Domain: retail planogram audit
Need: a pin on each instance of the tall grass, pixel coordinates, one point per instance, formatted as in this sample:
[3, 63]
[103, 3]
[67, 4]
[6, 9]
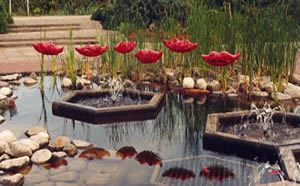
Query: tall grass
[70, 57]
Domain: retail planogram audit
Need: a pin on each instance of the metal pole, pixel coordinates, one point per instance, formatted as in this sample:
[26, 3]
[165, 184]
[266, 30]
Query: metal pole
[27, 7]
[9, 7]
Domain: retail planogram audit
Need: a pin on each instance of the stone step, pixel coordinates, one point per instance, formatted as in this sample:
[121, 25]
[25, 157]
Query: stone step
[42, 29]
[48, 39]
[43, 25]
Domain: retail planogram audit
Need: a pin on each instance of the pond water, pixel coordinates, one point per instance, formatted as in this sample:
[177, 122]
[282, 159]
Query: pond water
[175, 136]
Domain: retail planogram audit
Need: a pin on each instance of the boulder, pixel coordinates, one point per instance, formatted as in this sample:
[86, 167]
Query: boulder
[35, 130]
[29, 143]
[66, 83]
[2, 97]
[188, 82]
[41, 156]
[81, 144]
[13, 180]
[59, 143]
[7, 136]
[11, 77]
[6, 91]
[293, 91]
[70, 149]
[60, 154]
[202, 84]
[3, 84]
[4, 147]
[29, 81]
[4, 157]
[214, 85]
[41, 138]
[15, 163]
[19, 149]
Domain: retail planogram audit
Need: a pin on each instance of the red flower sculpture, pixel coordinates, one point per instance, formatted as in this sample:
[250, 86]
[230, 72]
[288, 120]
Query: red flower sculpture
[181, 46]
[148, 56]
[220, 59]
[92, 50]
[125, 47]
[47, 48]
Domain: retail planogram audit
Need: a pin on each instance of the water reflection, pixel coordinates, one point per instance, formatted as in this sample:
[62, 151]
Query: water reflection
[148, 157]
[127, 151]
[216, 173]
[94, 153]
[179, 173]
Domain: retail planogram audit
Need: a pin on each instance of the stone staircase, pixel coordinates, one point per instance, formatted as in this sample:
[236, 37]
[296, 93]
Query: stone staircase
[27, 30]
[16, 51]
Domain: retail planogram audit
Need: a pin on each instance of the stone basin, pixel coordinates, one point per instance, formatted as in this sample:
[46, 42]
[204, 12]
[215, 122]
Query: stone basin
[248, 146]
[290, 156]
[70, 109]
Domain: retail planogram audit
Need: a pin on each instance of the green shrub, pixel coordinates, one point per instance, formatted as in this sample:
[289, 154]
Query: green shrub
[139, 12]
[5, 18]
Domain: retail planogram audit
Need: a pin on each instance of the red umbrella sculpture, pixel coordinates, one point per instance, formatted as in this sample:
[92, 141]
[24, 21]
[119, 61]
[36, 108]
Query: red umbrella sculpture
[91, 51]
[220, 59]
[125, 48]
[180, 46]
[47, 49]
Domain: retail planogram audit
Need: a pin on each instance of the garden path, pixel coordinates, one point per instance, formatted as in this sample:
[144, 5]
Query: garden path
[16, 52]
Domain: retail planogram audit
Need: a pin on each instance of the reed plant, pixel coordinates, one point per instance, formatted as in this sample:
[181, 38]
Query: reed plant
[71, 69]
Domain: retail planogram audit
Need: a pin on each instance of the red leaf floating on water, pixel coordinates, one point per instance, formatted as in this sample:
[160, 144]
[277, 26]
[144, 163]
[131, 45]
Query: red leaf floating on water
[149, 158]
[217, 173]
[125, 47]
[148, 56]
[125, 152]
[220, 59]
[179, 173]
[92, 50]
[94, 153]
[47, 48]
[181, 46]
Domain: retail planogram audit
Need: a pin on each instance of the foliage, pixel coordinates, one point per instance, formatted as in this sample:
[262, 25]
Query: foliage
[5, 18]
[140, 12]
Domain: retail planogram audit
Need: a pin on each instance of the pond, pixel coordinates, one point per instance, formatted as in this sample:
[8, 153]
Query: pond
[175, 136]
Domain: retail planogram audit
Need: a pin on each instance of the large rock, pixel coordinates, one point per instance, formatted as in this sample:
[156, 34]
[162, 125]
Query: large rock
[293, 91]
[70, 149]
[14, 180]
[66, 83]
[41, 156]
[2, 97]
[29, 143]
[66, 176]
[2, 119]
[6, 91]
[33, 75]
[3, 84]
[35, 130]
[60, 154]
[4, 147]
[188, 82]
[267, 84]
[259, 94]
[296, 79]
[29, 81]
[41, 138]
[7, 136]
[214, 85]
[59, 143]
[19, 149]
[281, 96]
[10, 77]
[202, 84]
[4, 157]
[81, 144]
[15, 163]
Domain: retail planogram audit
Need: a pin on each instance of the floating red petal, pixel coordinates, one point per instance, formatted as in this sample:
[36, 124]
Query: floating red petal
[220, 59]
[125, 47]
[47, 48]
[148, 56]
[92, 50]
[181, 46]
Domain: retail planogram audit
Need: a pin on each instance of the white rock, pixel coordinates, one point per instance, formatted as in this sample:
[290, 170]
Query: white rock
[2, 97]
[7, 136]
[6, 91]
[29, 81]
[33, 76]
[259, 94]
[4, 157]
[60, 154]
[296, 79]
[282, 97]
[293, 91]
[70, 149]
[66, 83]
[66, 176]
[214, 85]
[35, 130]
[202, 84]
[3, 84]
[14, 180]
[10, 77]
[59, 143]
[188, 82]
[4, 147]
[41, 156]
[40, 138]
[29, 143]
[2, 119]
[19, 149]
[15, 163]
[81, 144]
